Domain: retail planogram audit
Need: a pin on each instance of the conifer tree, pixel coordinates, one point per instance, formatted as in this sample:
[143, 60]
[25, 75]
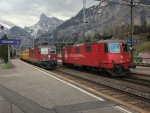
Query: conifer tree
[4, 50]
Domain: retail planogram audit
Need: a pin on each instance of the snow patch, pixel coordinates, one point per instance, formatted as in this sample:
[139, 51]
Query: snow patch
[103, 4]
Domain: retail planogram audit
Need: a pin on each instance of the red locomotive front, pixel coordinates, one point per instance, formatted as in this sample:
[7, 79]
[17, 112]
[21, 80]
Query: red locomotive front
[44, 56]
[116, 58]
[110, 55]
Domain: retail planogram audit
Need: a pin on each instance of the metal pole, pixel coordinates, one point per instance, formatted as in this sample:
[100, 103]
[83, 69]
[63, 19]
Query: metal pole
[84, 3]
[26, 43]
[84, 21]
[52, 38]
[8, 55]
[33, 41]
[132, 30]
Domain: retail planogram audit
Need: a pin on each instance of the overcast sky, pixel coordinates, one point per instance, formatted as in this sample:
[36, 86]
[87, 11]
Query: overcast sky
[27, 12]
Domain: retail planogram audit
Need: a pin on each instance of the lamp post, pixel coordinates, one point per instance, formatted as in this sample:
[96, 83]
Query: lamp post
[131, 30]
[84, 3]
[33, 41]
[8, 55]
[84, 19]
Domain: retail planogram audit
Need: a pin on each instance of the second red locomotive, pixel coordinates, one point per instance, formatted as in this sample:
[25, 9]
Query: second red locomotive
[43, 56]
[112, 56]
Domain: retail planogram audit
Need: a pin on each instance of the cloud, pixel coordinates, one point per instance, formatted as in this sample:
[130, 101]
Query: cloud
[27, 12]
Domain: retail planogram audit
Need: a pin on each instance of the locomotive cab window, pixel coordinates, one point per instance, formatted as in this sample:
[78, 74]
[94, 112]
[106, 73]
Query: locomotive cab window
[77, 50]
[106, 48]
[88, 48]
[125, 47]
[52, 51]
[38, 51]
[44, 50]
[114, 48]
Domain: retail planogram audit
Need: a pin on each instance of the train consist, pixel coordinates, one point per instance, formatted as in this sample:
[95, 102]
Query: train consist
[112, 56]
[43, 56]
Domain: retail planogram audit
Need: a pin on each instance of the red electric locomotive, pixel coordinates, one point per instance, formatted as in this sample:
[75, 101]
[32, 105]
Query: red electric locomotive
[112, 56]
[44, 56]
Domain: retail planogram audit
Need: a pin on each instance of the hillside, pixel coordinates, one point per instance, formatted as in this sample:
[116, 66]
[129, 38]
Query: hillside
[106, 18]
[143, 47]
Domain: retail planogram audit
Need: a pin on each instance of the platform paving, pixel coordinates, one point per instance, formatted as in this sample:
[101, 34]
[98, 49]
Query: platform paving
[26, 89]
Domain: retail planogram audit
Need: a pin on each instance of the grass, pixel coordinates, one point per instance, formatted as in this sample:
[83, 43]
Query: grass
[143, 47]
[6, 66]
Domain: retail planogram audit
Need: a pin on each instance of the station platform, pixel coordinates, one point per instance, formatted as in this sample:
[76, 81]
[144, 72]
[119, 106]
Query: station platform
[26, 89]
[141, 70]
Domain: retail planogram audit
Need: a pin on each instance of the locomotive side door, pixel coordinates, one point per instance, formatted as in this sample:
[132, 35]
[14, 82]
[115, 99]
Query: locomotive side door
[65, 55]
[100, 54]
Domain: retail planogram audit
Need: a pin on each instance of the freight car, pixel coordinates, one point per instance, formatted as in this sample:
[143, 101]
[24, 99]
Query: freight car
[112, 56]
[24, 55]
[43, 56]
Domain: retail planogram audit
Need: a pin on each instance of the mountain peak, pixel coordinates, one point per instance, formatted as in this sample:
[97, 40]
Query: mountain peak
[43, 16]
[44, 25]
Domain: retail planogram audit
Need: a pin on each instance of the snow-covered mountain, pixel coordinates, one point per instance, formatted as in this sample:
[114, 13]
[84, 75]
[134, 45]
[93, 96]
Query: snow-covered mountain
[44, 25]
[6, 24]
[17, 32]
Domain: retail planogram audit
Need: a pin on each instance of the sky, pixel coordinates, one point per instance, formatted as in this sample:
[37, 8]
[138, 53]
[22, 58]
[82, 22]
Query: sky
[27, 12]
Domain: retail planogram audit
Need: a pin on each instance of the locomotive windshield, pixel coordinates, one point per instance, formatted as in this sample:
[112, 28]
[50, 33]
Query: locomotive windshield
[114, 48]
[48, 50]
[125, 47]
[52, 50]
[44, 50]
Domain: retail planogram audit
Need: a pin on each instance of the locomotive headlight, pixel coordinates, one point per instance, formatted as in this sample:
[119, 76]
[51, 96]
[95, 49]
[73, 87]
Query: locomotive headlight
[121, 57]
[49, 56]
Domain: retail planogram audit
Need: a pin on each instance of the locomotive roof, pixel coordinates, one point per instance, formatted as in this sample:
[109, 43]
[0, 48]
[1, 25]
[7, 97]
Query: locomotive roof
[101, 41]
[25, 50]
[107, 41]
[45, 46]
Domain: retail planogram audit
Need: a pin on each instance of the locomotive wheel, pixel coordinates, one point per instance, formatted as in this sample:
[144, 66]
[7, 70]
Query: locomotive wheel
[64, 64]
[119, 72]
[84, 67]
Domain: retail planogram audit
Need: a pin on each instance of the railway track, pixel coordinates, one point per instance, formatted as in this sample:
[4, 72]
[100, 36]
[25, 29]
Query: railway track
[145, 83]
[140, 76]
[133, 92]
